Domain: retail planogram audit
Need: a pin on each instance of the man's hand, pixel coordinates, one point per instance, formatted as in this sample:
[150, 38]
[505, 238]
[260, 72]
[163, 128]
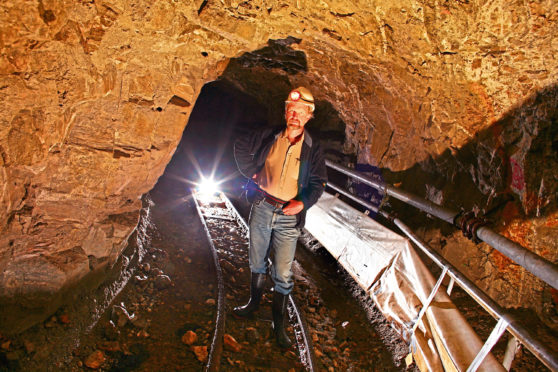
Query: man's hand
[293, 207]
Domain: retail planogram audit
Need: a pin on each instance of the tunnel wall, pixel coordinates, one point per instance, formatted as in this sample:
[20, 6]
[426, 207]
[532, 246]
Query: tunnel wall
[96, 96]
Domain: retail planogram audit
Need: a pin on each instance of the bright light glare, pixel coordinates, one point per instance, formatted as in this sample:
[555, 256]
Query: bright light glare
[208, 187]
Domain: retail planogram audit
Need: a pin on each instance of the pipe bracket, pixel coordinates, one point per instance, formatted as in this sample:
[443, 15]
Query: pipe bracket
[469, 223]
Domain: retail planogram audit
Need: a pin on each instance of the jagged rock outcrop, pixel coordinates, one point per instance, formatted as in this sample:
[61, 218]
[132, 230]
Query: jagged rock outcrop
[96, 95]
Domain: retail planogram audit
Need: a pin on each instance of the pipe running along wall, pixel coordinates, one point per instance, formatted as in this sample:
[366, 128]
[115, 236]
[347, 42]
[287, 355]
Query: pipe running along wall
[539, 349]
[537, 265]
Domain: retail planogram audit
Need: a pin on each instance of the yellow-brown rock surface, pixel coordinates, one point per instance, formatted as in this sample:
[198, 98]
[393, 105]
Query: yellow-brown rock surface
[96, 94]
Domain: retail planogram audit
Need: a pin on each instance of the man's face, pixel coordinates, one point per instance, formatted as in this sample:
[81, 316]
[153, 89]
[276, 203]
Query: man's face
[297, 115]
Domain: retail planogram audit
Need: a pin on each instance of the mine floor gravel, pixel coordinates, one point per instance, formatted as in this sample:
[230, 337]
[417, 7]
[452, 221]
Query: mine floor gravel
[163, 318]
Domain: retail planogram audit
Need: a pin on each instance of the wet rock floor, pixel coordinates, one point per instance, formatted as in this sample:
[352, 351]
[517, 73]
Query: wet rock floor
[164, 318]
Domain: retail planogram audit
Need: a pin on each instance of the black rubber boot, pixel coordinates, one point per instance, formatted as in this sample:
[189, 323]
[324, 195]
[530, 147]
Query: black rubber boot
[256, 290]
[279, 308]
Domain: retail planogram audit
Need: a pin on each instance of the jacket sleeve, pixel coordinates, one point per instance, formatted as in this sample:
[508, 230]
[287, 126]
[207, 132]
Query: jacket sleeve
[317, 178]
[245, 154]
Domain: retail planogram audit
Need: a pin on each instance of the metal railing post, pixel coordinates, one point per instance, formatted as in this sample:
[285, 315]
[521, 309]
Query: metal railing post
[426, 305]
[537, 265]
[539, 349]
[495, 335]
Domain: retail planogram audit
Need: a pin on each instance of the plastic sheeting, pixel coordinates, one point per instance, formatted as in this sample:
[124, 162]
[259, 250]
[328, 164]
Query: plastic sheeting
[388, 268]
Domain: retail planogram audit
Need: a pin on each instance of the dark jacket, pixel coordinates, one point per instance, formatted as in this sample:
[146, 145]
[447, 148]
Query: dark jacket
[250, 153]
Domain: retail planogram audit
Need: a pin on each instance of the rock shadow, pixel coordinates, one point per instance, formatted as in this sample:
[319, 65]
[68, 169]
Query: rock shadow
[515, 160]
[278, 54]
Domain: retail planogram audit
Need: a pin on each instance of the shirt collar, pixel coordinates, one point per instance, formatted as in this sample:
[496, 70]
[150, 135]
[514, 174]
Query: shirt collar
[300, 137]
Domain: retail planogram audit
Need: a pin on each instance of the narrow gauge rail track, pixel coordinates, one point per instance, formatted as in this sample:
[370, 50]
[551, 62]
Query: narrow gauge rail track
[227, 233]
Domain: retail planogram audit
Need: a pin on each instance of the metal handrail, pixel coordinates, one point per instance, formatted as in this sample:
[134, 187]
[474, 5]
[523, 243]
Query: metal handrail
[537, 265]
[540, 350]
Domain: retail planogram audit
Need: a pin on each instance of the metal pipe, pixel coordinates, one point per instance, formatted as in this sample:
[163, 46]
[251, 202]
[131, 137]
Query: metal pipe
[352, 197]
[540, 350]
[409, 198]
[537, 265]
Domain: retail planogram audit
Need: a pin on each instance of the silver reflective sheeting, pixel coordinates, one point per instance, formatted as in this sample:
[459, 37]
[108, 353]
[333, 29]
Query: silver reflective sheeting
[386, 266]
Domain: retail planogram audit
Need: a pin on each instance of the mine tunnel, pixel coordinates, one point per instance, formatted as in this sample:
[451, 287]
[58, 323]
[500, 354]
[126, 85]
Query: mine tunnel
[432, 248]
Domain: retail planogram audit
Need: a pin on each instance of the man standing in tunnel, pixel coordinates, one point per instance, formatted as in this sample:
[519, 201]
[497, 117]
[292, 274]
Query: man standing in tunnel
[288, 167]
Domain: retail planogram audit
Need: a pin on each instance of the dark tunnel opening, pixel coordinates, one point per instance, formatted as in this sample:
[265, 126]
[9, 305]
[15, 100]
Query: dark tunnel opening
[221, 114]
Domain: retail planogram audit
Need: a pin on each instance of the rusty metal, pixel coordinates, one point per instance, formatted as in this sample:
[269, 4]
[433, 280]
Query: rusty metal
[541, 351]
[537, 265]
[216, 350]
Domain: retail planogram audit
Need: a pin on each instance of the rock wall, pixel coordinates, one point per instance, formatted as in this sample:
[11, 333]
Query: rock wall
[507, 173]
[96, 95]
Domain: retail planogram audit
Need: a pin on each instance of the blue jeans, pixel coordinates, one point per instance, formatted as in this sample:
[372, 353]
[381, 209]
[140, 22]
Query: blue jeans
[272, 231]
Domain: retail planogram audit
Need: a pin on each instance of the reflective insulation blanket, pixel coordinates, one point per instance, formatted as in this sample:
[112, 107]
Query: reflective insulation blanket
[388, 268]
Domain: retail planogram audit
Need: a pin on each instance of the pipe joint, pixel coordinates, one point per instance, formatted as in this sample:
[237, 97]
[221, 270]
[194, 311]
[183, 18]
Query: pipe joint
[469, 223]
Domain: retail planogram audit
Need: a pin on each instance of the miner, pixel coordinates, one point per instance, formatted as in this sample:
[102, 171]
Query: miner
[287, 168]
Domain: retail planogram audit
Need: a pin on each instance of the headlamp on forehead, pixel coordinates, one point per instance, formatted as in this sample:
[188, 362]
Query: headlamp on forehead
[294, 96]
[301, 95]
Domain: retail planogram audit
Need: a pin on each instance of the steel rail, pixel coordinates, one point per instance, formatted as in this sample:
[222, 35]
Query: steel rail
[523, 334]
[304, 344]
[537, 265]
[306, 348]
[303, 341]
[216, 350]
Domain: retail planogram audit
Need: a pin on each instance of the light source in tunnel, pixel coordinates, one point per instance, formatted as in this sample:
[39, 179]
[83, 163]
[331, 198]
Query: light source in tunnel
[207, 188]
[208, 185]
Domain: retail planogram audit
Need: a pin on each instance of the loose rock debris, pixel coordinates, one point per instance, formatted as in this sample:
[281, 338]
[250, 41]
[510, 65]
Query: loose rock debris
[150, 326]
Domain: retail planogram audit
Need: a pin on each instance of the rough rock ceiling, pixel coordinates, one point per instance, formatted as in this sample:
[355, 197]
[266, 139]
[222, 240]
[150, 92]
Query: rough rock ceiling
[96, 95]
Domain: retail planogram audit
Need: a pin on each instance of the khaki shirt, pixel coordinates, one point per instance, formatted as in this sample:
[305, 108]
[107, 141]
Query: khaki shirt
[279, 176]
